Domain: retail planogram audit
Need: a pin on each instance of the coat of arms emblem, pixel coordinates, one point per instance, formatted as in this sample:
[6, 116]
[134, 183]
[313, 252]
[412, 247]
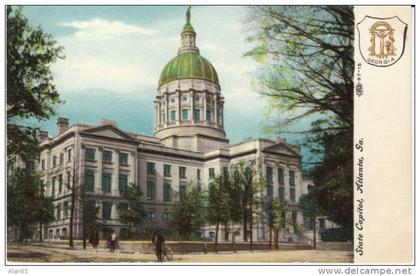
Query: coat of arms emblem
[381, 40]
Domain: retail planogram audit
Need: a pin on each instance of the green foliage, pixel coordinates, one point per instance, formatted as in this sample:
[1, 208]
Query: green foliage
[308, 204]
[336, 235]
[307, 52]
[134, 214]
[30, 89]
[218, 199]
[26, 201]
[189, 211]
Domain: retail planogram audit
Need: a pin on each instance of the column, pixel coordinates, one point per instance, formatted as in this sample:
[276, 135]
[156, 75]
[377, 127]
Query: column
[192, 105]
[205, 107]
[167, 108]
[159, 113]
[286, 184]
[179, 107]
[221, 114]
[116, 169]
[216, 110]
[98, 175]
[133, 168]
[114, 211]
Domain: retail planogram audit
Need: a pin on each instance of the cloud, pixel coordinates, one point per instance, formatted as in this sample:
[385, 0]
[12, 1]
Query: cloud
[105, 28]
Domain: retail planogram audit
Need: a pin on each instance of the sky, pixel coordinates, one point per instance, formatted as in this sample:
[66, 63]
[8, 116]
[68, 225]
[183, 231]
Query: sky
[114, 56]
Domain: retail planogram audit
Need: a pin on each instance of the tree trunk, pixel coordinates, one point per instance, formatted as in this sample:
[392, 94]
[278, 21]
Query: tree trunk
[217, 236]
[84, 217]
[251, 237]
[270, 240]
[129, 230]
[276, 237]
[40, 232]
[226, 232]
[314, 232]
[73, 200]
[245, 237]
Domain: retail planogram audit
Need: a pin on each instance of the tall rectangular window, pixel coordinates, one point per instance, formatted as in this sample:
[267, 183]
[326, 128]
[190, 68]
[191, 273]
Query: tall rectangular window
[107, 156]
[209, 116]
[90, 154]
[198, 174]
[211, 173]
[166, 216]
[60, 183]
[167, 191]
[122, 183]
[270, 191]
[69, 182]
[151, 170]
[173, 115]
[68, 155]
[167, 170]
[281, 193]
[196, 114]
[185, 114]
[43, 164]
[151, 190]
[53, 187]
[269, 175]
[61, 158]
[280, 175]
[58, 211]
[106, 210]
[123, 158]
[182, 189]
[106, 182]
[66, 209]
[151, 215]
[182, 172]
[292, 178]
[54, 161]
[292, 194]
[89, 180]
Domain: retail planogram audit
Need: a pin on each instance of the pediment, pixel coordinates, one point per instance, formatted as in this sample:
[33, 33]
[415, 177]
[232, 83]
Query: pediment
[281, 149]
[108, 132]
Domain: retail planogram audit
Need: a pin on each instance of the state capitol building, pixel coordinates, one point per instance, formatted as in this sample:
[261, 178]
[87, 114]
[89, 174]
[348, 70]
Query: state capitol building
[189, 145]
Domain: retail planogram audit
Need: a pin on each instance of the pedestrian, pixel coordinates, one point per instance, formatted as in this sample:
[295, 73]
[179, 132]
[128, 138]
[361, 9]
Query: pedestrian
[113, 241]
[158, 241]
[94, 238]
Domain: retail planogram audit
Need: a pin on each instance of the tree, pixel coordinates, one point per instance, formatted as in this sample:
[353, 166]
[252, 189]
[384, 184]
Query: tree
[278, 218]
[189, 211]
[235, 203]
[26, 202]
[30, 89]
[307, 54]
[218, 203]
[308, 205]
[133, 213]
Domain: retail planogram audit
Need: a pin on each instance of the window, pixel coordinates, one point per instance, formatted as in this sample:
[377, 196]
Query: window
[58, 211]
[30, 165]
[151, 215]
[292, 194]
[107, 156]
[280, 175]
[43, 164]
[269, 175]
[122, 206]
[185, 99]
[151, 190]
[53, 187]
[123, 158]
[173, 115]
[196, 114]
[198, 174]
[106, 182]
[197, 99]
[90, 154]
[60, 184]
[68, 155]
[270, 191]
[167, 191]
[182, 172]
[209, 116]
[66, 209]
[211, 173]
[61, 158]
[54, 161]
[182, 189]
[225, 171]
[165, 216]
[89, 180]
[151, 168]
[166, 170]
[69, 181]
[122, 183]
[281, 193]
[185, 114]
[106, 209]
[173, 100]
[292, 178]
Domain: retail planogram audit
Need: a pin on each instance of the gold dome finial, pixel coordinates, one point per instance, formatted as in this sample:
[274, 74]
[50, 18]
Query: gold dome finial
[188, 15]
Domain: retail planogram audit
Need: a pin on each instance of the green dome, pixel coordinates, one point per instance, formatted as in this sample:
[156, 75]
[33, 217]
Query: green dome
[188, 65]
[188, 28]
